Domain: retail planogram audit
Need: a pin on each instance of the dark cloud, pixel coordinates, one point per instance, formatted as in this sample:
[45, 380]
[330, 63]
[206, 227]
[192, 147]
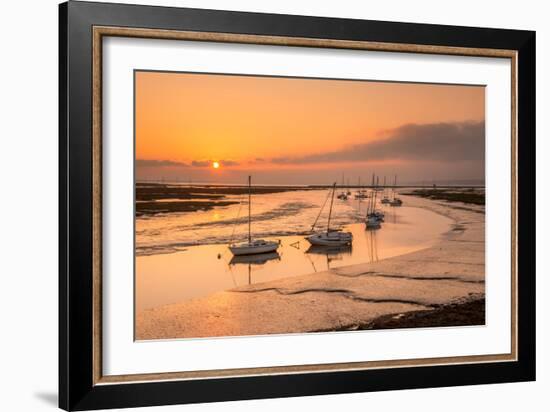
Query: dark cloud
[257, 160]
[447, 142]
[228, 163]
[159, 163]
[201, 163]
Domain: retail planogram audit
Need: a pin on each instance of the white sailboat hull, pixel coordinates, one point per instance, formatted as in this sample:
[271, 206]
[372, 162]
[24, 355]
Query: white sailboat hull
[330, 239]
[254, 248]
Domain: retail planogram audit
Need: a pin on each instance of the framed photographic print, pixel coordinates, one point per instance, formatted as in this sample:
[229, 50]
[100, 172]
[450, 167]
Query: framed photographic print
[256, 205]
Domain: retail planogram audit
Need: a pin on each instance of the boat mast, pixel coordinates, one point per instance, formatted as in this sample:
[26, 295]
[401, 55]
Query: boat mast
[330, 210]
[373, 197]
[394, 184]
[249, 207]
[375, 193]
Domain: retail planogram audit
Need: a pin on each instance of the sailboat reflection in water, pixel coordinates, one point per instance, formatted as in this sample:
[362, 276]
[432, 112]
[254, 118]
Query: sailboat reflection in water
[251, 260]
[332, 253]
[372, 247]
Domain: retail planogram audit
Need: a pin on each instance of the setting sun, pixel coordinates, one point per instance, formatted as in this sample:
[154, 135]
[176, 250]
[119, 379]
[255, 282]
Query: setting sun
[215, 165]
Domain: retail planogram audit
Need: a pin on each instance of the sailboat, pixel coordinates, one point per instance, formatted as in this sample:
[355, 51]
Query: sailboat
[378, 214]
[374, 217]
[343, 195]
[386, 199]
[361, 193]
[256, 246]
[330, 237]
[395, 201]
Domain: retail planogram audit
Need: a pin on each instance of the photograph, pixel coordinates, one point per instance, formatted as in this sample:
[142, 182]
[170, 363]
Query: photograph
[270, 205]
[257, 204]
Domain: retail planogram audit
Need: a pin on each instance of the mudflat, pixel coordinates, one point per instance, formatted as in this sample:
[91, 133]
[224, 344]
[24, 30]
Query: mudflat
[426, 288]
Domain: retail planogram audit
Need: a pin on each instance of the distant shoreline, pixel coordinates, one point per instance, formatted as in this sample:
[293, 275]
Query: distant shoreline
[185, 198]
[467, 195]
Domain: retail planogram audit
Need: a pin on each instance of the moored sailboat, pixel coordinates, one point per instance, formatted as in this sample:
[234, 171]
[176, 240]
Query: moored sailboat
[330, 237]
[395, 200]
[385, 200]
[361, 193]
[344, 194]
[256, 246]
[374, 217]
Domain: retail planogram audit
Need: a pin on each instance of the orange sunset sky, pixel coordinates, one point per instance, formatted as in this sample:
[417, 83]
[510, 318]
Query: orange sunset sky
[305, 131]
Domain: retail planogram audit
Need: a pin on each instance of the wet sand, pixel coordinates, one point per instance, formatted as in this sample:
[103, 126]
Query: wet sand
[438, 281]
[179, 198]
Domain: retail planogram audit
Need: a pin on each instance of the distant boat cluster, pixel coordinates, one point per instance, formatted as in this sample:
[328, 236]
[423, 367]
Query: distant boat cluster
[334, 237]
[374, 217]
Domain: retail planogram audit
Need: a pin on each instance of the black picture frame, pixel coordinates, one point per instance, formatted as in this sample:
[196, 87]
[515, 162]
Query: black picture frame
[77, 390]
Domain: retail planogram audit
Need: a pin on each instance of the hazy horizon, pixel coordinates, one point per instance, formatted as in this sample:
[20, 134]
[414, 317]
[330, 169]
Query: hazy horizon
[364, 183]
[306, 131]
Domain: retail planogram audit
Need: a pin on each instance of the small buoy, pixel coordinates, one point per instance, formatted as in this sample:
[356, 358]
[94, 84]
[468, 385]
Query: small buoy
[219, 255]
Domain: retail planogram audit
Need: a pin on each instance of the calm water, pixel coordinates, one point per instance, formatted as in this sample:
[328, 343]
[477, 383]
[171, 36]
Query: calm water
[184, 256]
[274, 215]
